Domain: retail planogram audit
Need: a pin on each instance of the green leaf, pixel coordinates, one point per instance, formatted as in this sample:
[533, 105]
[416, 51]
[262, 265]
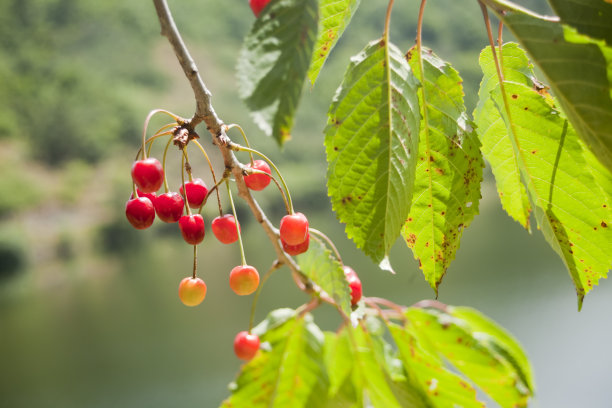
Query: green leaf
[470, 352]
[334, 17]
[498, 339]
[288, 371]
[449, 170]
[274, 61]
[584, 89]
[496, 143]
[325, 271]
[570, 206]
[338, 360]
[371, 142]
[443, 388]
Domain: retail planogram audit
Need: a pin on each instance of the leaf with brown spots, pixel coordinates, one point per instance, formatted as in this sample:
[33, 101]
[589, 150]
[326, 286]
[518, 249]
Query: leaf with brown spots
[567, 186]
[334, 17]
[449, 172]
[374, 123]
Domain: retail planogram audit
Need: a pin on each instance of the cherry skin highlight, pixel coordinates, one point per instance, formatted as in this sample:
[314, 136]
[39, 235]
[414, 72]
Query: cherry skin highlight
[354, 283]
[169, 206]
[192, 291]
[259, 181]
[258, 5]
[148, 175]
[192, 228]
[244, 280]
[224, 228]
[296, 249]
[246, 345]
[294, 228]
[196, 192]
[140, 212]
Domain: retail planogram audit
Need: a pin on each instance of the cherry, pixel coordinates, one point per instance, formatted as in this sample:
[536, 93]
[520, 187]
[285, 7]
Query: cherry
[257, 6]
[150, 196]
[148, 174]
[354, 283]
[296, 249]
[192, 228]
[140, 212]
[192, 291]
[244, 279]
[224, 228]
[294, 229]
[246, 345]
[196, 192]
[169, 207]
[258, 181]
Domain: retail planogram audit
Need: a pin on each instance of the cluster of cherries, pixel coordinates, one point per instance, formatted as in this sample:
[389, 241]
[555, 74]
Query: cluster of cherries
[145, 204]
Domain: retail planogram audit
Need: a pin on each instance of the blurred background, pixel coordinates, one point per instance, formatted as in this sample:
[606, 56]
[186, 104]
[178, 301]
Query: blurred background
[89, 312]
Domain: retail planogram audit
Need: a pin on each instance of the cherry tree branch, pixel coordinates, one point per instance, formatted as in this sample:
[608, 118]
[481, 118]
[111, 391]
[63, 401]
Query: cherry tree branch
[205, 113]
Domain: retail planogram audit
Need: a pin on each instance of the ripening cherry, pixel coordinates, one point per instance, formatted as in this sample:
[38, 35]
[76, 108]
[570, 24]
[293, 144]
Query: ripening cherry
[148, 174]
[296, 249]
[169, 206]
[196, 192]
[244, 280]
[246, 345]
[354, 283]
[258, 5]
[150, 196]
[140, 212]
[224, 228]
[294, 228]
[192, 291]
[258, 181]
[192, 228]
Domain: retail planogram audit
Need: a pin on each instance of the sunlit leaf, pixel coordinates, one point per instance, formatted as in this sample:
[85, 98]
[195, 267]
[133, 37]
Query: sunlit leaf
[288, 371]
[579, 72]
[449, 169]
[443, 388]
[372, 144]
[571, 209]
[274, 61]
[496, 143]
[334, 17]
[323, 269]
[469, 350]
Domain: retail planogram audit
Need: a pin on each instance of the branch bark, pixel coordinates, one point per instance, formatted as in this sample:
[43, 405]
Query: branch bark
[205, 113]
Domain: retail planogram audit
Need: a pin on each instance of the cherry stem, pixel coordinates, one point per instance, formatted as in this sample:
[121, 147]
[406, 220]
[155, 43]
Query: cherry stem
[386, 303]
[246, 140]
[195, 261]
[375, 306]
[231, 200]
[152, 138]
[214, 177]
[307, 307]
[146, 124]
[187, 164]
[271, 163]
[183, 182]
[264, 278]
[164, 165]
[287, 207]
[328, 241]
[433, 304]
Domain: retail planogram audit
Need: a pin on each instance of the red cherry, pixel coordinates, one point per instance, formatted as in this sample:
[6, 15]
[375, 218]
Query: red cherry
[192, 291]
[224, 228]
[354, 283]
[258, 181]
[294, 228]
[192, 228]
[140, 212]
[296, 249]
[169, 207]
[244, 279]
[148, 174]
[246, 345]
[257, 6]
[196, 192]
[150, 196]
